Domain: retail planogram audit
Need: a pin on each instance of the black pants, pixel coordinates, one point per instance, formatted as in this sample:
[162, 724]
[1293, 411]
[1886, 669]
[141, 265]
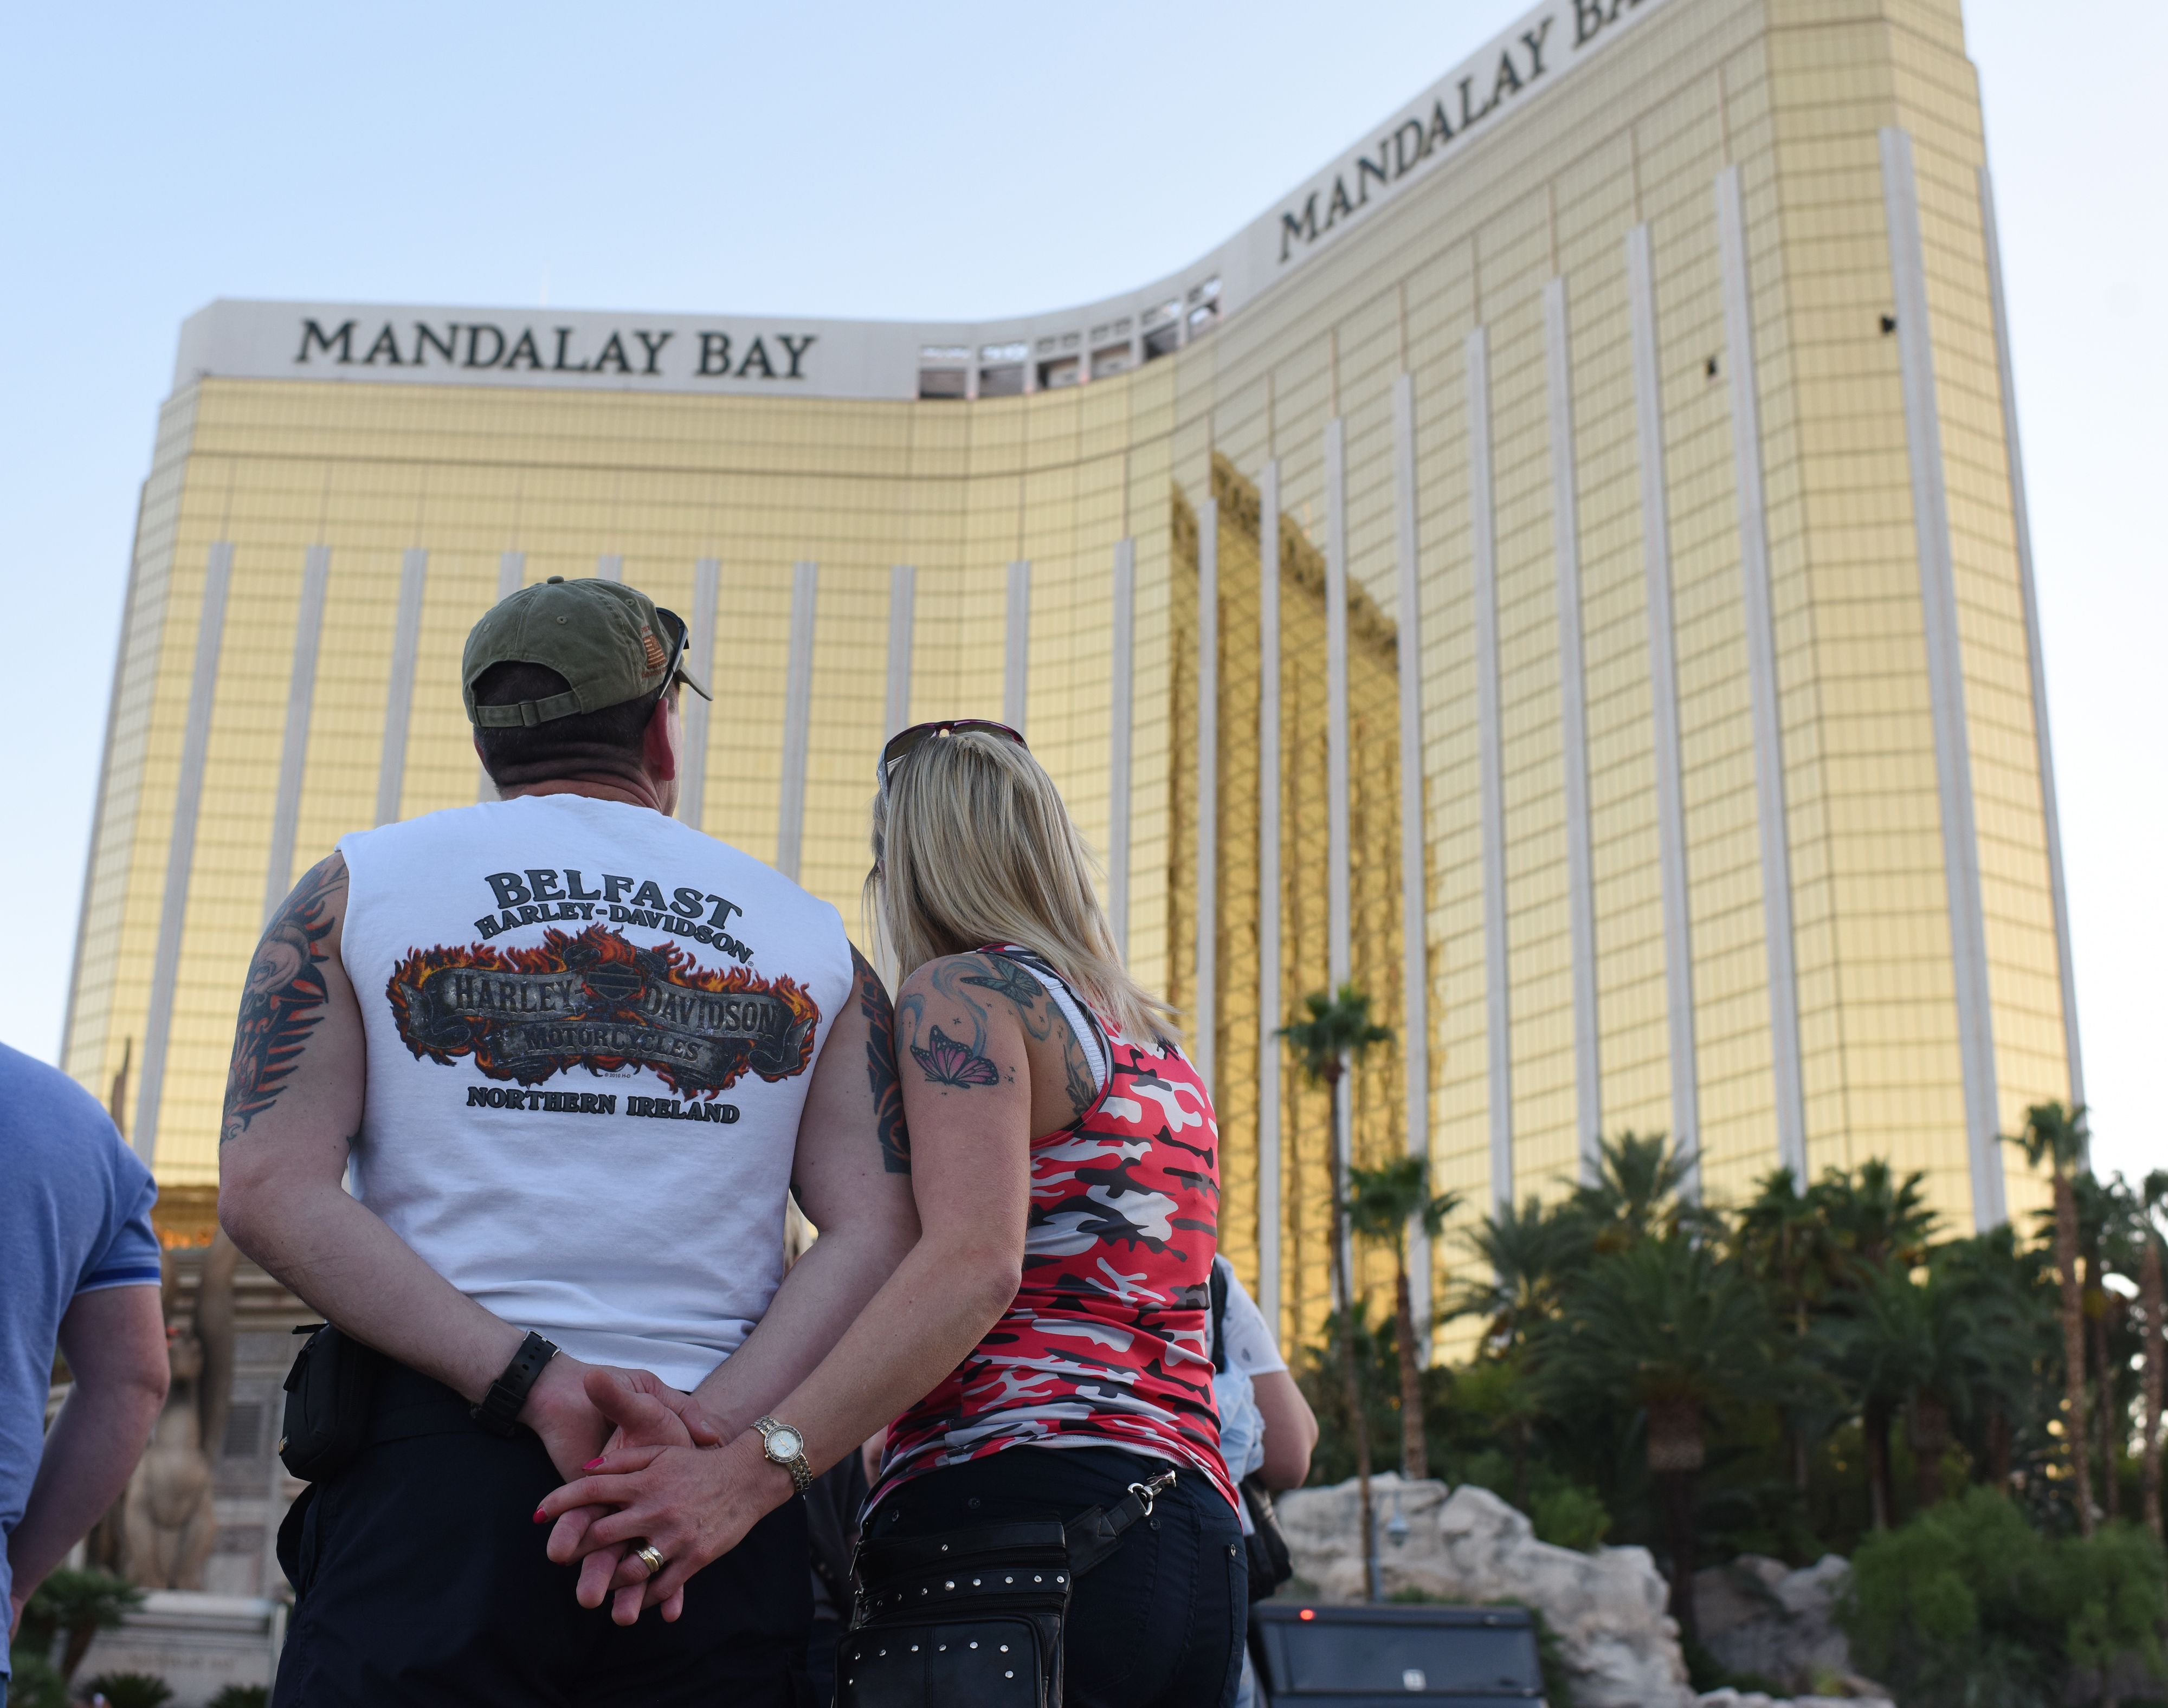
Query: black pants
[1159, 1623]
[421, 1580]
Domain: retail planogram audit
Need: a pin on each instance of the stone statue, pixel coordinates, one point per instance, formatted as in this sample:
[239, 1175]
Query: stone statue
[168, 1518]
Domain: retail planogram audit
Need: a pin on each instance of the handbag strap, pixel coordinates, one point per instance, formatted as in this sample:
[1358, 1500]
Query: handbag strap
[1094, 1534]
[1085, 1540]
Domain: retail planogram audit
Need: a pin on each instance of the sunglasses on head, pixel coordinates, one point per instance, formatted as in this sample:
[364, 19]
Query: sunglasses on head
[905, 742]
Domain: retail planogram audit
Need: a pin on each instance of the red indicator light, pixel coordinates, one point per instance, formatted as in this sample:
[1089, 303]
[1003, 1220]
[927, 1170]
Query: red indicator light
[1307, 1613]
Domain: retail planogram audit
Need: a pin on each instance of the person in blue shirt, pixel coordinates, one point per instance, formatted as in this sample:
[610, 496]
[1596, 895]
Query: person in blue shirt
[78, 1269]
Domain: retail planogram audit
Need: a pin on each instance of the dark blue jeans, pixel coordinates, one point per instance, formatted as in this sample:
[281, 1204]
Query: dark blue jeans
[421, 1581]
[1157, 1624]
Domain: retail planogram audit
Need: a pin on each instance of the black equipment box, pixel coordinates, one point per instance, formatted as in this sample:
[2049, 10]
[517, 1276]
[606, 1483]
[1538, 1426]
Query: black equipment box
[1371, 1656]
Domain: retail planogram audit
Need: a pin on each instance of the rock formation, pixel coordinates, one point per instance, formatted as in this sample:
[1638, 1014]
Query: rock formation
[1606, 1608]
[1760, 1616]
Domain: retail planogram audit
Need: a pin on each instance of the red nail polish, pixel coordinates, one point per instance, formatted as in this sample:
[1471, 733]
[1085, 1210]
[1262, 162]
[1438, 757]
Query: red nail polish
[591, 1464]
[540, 1516]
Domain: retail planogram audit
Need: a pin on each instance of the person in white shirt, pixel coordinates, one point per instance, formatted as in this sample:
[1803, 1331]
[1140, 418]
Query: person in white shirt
[576, 1057]
[1267, 1428]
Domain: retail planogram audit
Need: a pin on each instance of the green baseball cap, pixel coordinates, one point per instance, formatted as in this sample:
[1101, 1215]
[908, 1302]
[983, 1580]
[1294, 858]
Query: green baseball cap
[611, 643]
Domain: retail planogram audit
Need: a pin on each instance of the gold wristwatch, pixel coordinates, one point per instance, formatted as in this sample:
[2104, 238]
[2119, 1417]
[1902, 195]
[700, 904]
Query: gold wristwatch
[784, 1446]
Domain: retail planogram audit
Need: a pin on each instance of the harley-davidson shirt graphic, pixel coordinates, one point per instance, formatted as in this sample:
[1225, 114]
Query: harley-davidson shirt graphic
[590, 1034]
[597, 1001]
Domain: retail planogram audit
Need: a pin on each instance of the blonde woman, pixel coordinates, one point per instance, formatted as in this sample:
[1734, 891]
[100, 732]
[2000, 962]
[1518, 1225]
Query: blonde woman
[1052, 1501]
[1024, 1044]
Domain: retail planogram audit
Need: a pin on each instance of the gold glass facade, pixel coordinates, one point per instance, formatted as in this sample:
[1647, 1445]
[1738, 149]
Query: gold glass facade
[429, 498]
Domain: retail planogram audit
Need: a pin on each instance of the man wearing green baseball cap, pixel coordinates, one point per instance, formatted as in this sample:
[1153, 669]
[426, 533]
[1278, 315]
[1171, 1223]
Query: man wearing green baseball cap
[575, 1056]
[616, 655]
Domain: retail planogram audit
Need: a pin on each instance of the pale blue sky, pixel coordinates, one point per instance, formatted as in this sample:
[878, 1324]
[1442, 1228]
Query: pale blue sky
[944, 159]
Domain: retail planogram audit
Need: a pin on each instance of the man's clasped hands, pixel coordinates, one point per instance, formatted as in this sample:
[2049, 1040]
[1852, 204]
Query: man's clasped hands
[645, 1465]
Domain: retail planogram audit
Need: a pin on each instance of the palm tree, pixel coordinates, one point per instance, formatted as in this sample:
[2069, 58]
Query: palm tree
[2104, 1211]
[2056, 1136]
[2146, 1217]
[81, 1604]
[1339, 1030]
[1381, 1204]
[1668, 1326]
[1782, 1240]
[2017, 1330]
[1915, 1345]
[1636, 1193]
[1874, 1218]
[1500, 1394]
[1527, 1254]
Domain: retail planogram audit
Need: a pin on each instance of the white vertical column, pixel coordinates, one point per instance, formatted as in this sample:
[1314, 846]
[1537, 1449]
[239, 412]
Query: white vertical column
[1497, 964]
[1573, 734]
[1204, 1029]
[700, 641]
[1016, 664]
[294, 749]
[1772, 818]
[1271, 1052]
[399, 696]
[1339, 944]
[2022, 516]
[1119, 708]
[181, 846]
[902, 605]
[511, 576]
[797, 719]
[1664, 705]
[98, 802]
[1414, 893]
[1946, 692]
[610, 567]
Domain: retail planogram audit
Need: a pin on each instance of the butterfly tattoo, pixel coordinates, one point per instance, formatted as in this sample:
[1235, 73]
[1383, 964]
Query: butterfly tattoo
[951, 1064]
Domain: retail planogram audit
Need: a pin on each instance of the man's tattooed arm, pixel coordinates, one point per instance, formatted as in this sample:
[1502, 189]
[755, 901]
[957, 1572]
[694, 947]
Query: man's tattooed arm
[284, 998]
[880, 1067]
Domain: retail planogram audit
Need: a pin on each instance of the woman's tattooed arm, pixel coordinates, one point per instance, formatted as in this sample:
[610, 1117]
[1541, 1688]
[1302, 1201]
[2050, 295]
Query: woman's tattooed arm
[283, 997]
[880, 1067]
[962, 1061]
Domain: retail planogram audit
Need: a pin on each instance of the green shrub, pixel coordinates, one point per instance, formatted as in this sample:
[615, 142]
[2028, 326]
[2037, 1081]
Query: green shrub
[131, 1690]
[1969, 1606]
[242, 1696]
[81, 1604]
[36, 1684]
[1571, 1515]
[2116, 1584]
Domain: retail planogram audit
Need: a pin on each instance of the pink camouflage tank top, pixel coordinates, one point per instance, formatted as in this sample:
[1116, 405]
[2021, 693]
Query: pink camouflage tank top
[1105, 1344]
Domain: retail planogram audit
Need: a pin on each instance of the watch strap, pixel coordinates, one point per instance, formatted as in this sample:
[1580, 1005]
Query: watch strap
[499, 1410]
[801, 1471]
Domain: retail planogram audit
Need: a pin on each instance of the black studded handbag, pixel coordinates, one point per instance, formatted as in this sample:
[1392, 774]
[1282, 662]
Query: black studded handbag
[974, 1618]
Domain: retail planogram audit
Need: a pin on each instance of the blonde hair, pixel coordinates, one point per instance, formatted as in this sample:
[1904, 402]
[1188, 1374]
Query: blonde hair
[972, 845]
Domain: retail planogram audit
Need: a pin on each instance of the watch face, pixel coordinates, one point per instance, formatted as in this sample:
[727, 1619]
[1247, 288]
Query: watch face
[784, 1444]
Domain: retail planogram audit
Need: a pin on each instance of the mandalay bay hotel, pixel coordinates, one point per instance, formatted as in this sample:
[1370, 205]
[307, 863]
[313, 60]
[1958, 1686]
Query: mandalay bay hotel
[1562, 569]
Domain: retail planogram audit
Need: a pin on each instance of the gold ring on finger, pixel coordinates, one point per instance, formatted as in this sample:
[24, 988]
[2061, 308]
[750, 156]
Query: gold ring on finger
[651, 1557]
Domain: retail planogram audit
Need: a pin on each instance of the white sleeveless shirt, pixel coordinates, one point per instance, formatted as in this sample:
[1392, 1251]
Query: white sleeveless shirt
[590, 1033]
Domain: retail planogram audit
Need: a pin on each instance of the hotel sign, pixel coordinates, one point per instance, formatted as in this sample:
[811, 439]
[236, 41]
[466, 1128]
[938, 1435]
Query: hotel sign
[1465, 103]
[427, 344]
[508, 346]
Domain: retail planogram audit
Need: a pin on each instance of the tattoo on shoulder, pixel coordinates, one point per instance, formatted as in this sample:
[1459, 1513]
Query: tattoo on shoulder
[1007, 979]
[961, 1060]
[880, 1067]
[1036, 1006]
[284, 998]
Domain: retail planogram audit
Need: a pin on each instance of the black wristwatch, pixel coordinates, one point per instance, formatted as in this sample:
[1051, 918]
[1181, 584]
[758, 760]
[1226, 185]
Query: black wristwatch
[499, 1410]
